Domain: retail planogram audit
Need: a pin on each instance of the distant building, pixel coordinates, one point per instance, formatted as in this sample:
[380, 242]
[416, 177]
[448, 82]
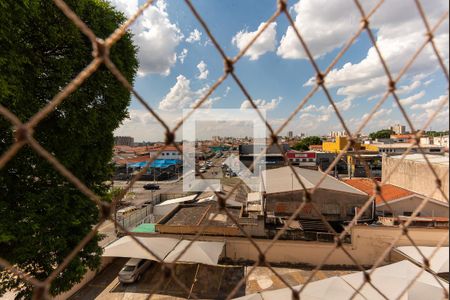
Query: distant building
[398, 129]
[290, 134]
[414, 174]
[395, 201]
[272, 157]
[335, 200]
[169, 152]
[124, 141]
[337, 133]
[400, 148]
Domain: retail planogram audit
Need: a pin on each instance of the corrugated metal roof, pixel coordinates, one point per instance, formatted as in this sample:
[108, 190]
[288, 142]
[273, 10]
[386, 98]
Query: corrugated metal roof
[283, 180]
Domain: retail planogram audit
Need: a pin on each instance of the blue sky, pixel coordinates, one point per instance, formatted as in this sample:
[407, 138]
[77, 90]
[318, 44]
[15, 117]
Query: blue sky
[179, 63]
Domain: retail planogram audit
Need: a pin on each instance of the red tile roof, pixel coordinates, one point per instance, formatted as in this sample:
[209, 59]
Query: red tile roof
[388, 191]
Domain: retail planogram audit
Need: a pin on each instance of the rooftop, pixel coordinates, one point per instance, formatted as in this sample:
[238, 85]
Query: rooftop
[388, 191]
[283, 180]
[418, 157]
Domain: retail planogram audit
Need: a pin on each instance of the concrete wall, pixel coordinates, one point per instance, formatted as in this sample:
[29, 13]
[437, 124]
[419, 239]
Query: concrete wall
[416, 176]
[368, 243]
[431, 209]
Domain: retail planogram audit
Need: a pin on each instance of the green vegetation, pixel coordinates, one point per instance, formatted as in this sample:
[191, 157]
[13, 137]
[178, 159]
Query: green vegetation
[381, 134]
[304, 144]
[435, 133]
[43, 216]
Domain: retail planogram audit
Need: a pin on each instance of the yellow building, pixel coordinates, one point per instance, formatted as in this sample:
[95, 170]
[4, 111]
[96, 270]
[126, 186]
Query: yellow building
[341, 141]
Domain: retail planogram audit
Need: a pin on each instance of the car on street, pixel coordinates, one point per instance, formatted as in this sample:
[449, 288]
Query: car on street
[151, 186]
[133, 269]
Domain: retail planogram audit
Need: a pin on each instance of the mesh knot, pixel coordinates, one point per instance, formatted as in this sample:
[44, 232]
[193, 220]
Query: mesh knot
[170, 137]
[274, 138]
[307, 197]
[282, 5]
[261, 259]
[438, 183]
[22, 133]
[404, 230]
[221, 202]
[320, 78]
[426, 262]
[39, 292]
[229, 67]
[295, 295]
[365, 23]
[392, 86]
[100, 49]
[430, 36]
[338, 242]
[352, 142]
[367, 277]
[105, 209]
[377, 189]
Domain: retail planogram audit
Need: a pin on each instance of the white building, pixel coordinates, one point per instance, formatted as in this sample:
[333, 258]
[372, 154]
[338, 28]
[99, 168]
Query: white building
[398, 129]
[169, 152]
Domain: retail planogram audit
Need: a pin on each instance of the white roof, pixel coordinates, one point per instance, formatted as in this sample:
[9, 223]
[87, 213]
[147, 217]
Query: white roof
[418, 157]
[329, 288]
[392, 279]
[439, 263]
[166, 249]
[254, 197]
[283, 180]
[207, 253]
[178, 200]
[228, 203]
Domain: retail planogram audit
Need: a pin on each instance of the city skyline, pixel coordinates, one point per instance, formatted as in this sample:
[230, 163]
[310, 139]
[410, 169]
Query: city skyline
[182, 63]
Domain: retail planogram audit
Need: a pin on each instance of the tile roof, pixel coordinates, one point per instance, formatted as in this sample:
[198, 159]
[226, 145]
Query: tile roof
[388, 191]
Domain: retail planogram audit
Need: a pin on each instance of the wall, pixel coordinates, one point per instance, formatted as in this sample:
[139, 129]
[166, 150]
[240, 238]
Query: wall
[416, 176]
[368, 243]
[431, 209]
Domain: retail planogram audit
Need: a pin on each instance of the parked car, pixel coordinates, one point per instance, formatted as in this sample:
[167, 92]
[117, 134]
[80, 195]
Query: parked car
[133, 269]
[151, 186]
[202, 170]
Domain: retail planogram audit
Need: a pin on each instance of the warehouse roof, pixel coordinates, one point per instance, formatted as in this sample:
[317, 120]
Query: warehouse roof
[388, 191]
[283, 180]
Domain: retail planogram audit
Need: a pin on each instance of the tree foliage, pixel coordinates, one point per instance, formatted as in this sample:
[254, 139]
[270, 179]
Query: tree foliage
[434, 133]
[381, 134]
[304, 144]
[43, 216]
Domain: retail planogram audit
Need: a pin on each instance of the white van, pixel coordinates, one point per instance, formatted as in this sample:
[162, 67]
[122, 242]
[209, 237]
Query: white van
[133, 269]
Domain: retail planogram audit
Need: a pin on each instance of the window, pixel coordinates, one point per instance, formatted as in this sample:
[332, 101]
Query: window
[407, 213]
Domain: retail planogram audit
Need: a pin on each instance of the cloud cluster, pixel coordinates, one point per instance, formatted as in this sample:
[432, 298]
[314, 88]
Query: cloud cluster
[154, 34]
[266, 42]
[194, 36]
[203, 69]
[262, 104]
[181, 95]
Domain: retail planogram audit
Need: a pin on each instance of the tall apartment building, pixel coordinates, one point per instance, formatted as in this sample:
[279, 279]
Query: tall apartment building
[124, 141]
[398, 129]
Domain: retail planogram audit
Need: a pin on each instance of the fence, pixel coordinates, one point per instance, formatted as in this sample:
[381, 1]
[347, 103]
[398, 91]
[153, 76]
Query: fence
[24, 136]
[142, 215]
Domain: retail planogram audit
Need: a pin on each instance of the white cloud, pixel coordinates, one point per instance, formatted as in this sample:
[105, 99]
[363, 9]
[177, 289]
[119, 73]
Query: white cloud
[266, 42]
[323, 24]
[426, 110]
[434, 103]
[194, 36]
[181, 95]
[412, 99]
[203, 69]
[399, 32]
[182, 56]
[154, 34]
[262, 104]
